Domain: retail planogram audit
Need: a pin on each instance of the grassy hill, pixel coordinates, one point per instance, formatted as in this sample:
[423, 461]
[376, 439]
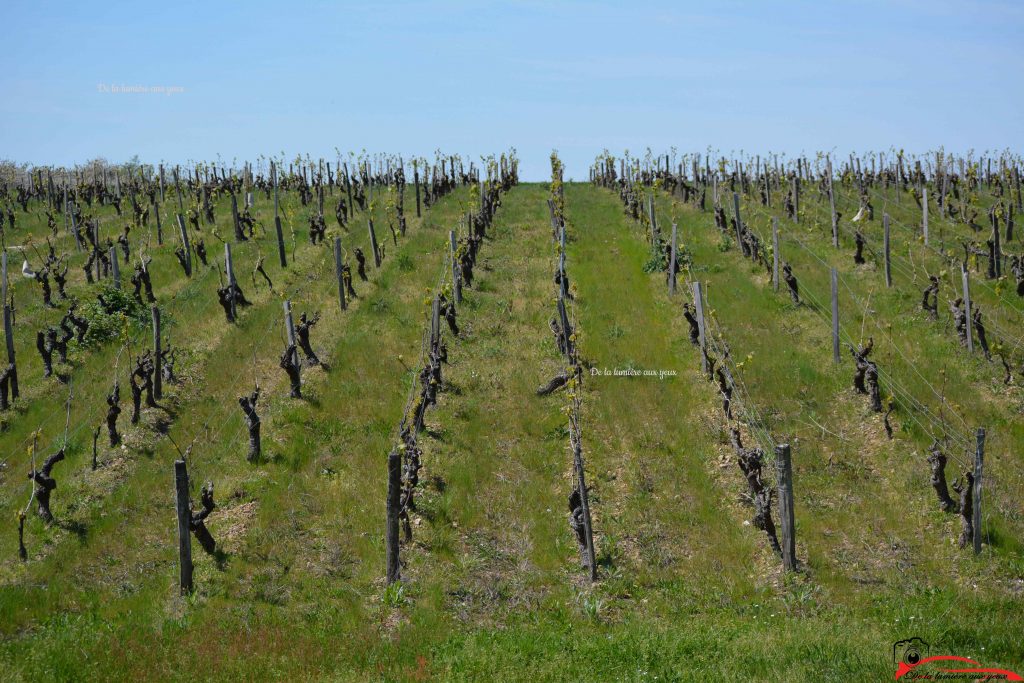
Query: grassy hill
[492, 587]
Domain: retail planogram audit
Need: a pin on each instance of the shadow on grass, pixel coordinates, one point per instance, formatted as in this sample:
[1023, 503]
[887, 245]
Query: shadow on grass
[80, 530]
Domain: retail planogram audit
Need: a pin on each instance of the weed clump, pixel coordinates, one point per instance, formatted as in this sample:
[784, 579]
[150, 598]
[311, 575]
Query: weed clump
[109, 314]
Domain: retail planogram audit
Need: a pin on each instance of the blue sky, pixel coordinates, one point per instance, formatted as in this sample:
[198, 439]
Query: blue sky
[475, 78]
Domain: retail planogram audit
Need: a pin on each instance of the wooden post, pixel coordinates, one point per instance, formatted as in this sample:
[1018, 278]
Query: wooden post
[924, 213]
[159, 228]
[456, 274]
[350, 207]
[997, 251]
[177, 186]
[588, 531]
[566, 334]
[671, 263]
[69, 222]
[236, 226]
[553, 217]
[832, 206]
[158, 381]
[184, 245]
[654, 219]
[98, 260]
[229, 267]
[1016, 181]
[775, 253]
[416, 182]
[967, 307]
[115, 268]
[796, 198]
[161, 182]
[74, 226]
[885, 250]
[979, 461]
[698, 300]
[739, 222]
[289, 326]
[184, 511]
[281, 254]
[9, 332]
[435, 320]
[563, 281]
[784, 468]
[373, 243]
[391, 528]
[338, 273]
[835, 315]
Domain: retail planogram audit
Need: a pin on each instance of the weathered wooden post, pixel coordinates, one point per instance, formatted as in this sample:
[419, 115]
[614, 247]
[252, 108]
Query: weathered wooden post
[739, 222]
[654, 219]
[1016, 181]
[183, 508]
[9, 332]
[373, 243]
[69, 220]
[350, 207]
[784, 467]
[289, 326]
[185, 245]
[158, 379]
[832, 206]
[796, 198]
[979, 461]
[99, 261]
[229, 267]
[563, 281]
[924, 213]
[566, 332]
[835, 315]
[1009, 221]
[339, 273]
[456, 274]
[177, 187]
[965, 276]
[115, 268]
[698, 300]
[391, 528]
[236, 224]
[997, 250]
[277, 219]
[159, 227]
[161, 182]
[553, 217]
[581, 481]
[672, 263]
[886, 251]
[416, 182]
[435, 320]
[775, 253]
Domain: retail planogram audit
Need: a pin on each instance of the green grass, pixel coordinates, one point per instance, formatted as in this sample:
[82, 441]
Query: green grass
[492, 588]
